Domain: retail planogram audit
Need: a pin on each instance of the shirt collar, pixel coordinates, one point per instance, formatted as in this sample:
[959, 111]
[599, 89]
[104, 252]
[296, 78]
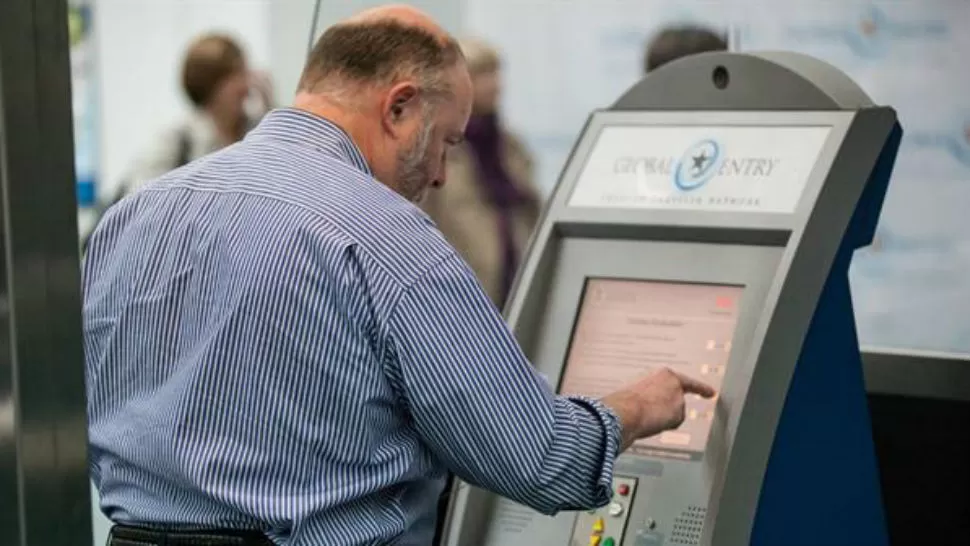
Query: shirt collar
[305, 129]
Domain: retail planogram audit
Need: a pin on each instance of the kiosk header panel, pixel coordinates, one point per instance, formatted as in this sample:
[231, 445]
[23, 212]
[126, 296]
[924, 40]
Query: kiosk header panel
[722, 168]
[622, 174]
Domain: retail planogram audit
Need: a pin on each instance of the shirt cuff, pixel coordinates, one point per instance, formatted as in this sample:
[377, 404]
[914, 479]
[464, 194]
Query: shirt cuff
[610, 425]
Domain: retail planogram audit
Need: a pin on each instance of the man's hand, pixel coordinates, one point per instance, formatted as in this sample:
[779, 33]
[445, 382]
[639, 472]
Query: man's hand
[653, 404]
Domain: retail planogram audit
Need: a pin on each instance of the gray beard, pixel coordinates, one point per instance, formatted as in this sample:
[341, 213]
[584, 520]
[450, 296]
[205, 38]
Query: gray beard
[412, 165]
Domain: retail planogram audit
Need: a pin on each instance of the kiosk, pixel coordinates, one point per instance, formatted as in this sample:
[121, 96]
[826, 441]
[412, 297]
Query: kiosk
[705, 222]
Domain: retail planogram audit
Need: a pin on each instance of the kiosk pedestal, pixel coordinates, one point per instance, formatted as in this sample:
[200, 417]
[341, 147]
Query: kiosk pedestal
[706, 223]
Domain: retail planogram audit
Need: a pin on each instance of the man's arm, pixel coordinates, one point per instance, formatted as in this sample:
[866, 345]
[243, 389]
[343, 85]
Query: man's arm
[481, 407]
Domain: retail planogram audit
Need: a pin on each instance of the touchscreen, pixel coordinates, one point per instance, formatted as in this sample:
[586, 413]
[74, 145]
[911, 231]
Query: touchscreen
[625, 329]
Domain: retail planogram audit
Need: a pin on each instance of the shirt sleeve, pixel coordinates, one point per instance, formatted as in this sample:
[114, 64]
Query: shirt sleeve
[481, 407]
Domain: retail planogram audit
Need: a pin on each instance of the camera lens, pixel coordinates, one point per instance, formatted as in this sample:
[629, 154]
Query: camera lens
[721, 77]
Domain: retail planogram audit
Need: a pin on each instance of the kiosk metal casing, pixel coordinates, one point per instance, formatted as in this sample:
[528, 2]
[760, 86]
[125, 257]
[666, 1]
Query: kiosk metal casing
[789, 456]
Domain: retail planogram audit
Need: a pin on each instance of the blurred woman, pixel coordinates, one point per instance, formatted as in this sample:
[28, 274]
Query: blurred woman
[489, 205]
[218, 84]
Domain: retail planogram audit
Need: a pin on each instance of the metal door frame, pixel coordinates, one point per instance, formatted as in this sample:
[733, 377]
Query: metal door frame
[44, 485]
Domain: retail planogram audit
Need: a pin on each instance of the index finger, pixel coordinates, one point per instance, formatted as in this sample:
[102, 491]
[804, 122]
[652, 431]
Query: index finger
[693, 386]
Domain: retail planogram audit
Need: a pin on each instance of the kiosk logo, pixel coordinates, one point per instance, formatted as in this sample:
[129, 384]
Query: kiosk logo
[698, 165]
[728, 168]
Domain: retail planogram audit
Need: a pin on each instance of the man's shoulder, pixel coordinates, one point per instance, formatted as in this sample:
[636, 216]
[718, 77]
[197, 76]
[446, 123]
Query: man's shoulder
[335, 197]
[397, 235]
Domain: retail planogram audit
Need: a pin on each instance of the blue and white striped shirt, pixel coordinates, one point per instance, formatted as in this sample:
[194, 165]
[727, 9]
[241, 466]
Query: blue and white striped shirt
[275, 340]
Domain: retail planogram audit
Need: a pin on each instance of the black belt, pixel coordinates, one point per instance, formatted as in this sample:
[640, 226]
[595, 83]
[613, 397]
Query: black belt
[125, 535]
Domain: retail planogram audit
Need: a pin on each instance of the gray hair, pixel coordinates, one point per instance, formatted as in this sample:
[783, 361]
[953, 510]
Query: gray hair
[379, 52]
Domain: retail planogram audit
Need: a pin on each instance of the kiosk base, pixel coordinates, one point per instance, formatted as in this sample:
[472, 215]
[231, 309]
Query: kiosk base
[822, 484]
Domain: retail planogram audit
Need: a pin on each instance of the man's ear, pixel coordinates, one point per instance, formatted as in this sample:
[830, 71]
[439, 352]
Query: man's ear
[400, 104]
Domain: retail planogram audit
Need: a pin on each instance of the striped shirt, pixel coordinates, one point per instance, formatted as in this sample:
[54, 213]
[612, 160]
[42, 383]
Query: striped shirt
[275, 340]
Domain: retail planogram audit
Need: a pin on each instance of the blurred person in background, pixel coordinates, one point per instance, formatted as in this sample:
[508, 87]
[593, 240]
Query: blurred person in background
[227, 101]
[675, 42]
[490, 205]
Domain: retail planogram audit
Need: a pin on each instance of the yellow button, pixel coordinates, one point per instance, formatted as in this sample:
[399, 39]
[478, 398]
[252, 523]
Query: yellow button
[594, 540]
[598, 526]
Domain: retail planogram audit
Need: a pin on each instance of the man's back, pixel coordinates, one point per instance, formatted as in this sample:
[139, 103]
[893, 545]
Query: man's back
[233, 317]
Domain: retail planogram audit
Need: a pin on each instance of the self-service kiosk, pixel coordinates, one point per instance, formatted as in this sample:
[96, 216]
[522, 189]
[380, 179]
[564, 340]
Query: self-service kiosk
[705, 222]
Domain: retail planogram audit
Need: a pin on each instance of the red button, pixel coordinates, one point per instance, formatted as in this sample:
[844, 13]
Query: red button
[623, 490]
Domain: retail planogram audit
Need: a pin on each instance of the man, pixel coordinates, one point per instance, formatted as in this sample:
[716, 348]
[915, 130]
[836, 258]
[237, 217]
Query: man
[675, 42]
[280, 344]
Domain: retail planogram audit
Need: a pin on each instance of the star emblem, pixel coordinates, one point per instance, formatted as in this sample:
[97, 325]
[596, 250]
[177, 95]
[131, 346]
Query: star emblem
[699, 161]
[697, 165]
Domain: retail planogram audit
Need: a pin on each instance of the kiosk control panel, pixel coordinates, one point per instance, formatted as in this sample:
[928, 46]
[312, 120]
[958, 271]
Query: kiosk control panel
[705, 223]
[602, 526]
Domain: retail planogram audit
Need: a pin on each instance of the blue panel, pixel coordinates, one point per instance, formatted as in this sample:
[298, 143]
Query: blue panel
[821, 486]
[86, 193]
[85, 97]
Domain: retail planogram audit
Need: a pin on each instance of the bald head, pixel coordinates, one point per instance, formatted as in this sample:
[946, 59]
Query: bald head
[400, 13]
[380, 46]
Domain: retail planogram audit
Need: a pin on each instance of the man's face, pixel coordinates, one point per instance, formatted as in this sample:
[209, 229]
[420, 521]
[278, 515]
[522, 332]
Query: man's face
[425, 134]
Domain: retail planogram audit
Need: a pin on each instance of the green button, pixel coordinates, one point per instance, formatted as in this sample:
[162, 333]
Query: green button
[609, 542]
